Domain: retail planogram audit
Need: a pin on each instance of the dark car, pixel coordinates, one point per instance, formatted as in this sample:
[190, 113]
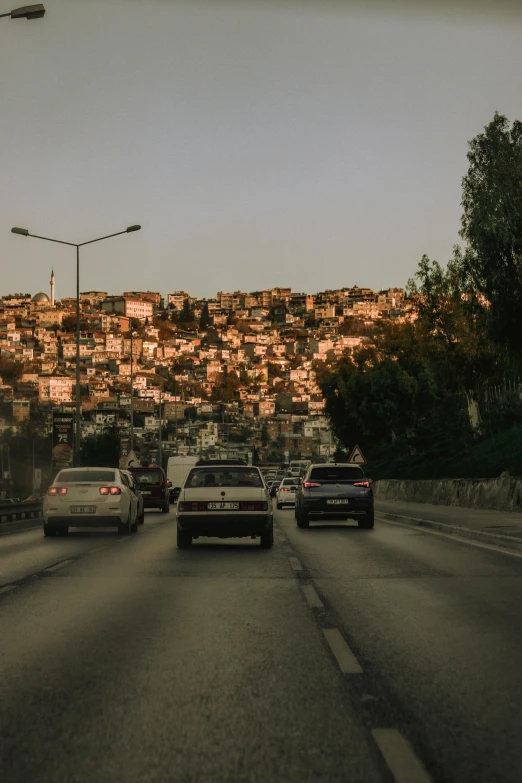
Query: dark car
[153, 485]
[335, 491]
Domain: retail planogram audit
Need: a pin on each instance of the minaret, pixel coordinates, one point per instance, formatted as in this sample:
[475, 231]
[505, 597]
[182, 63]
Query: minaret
[52, 287]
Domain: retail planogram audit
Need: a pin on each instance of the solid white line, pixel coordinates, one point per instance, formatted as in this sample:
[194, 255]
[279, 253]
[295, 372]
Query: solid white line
[312, 597]
[7, 588]
[294, 562]
[347, 661]
[452, 536]
[400, 757]
[58, 565]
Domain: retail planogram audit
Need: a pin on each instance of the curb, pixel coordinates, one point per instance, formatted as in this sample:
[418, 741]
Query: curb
[507, 542]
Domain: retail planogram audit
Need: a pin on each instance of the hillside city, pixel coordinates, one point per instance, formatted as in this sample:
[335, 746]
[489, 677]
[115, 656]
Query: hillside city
[230, 374]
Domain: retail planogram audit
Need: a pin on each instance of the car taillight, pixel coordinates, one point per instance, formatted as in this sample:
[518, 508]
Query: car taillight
[361, 484]
[192, 506]
[52, 491]
[308, 484]
[257, 505]
[104, 490]
[62, 491]
[115, 491]
[283, 489]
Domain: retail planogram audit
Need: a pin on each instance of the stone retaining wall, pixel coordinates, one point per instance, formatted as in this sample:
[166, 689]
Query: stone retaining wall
[502, 494]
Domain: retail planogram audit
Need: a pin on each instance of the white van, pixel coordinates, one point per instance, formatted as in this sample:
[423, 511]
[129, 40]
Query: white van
[178, 469]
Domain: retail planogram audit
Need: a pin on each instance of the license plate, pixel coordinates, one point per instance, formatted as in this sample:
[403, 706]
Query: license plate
[83, 509]
[340, 502]
[222, 506]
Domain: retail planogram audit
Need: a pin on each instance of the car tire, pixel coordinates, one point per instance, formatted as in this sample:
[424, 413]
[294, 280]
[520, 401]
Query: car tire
[141, 519]
[367, 522]
[303, 520]
[124, 528]
[183, 539]
[279, 505]
[267, 539]
[49, 530]
[165, 509]
[133, 526]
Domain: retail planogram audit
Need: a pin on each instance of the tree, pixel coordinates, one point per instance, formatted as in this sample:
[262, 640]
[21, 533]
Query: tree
[187, 313]
[492, 225]
[204, 320]
[102, 450]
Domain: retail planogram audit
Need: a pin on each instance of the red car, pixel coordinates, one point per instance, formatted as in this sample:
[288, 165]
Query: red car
[153, 485]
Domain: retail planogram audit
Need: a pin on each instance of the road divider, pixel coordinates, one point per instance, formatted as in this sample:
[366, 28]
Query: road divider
[400, 757]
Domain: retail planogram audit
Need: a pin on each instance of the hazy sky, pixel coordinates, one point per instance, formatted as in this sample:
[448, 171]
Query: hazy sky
[303, 144]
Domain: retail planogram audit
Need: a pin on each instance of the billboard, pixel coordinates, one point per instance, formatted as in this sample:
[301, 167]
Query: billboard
[63, 439]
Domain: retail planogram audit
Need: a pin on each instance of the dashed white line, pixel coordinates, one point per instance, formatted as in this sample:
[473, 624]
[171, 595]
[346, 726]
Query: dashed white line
[348, 663]
[400, 757]
[7, 588]
[311, 596]
[58, 566]
[294, 562]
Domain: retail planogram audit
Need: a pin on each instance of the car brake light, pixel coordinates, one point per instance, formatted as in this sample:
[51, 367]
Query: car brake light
[308, 484]
[104, 490]
[52, 491]
[62, 491]
[361, 484]
[192, 506]
[253, 506]
[283, 489]
[115, 491]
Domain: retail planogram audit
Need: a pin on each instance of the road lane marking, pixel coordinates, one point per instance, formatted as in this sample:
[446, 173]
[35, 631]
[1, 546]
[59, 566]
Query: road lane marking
[7, 588]
[400, 757]
[58, 566]
[311, 596]
[452, 536]
[294, 562]
[348, 663]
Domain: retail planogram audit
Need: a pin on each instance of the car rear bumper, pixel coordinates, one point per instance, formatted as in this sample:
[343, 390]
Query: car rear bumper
[355, 507]
[84, 520]
[150, 502]
[218, 526]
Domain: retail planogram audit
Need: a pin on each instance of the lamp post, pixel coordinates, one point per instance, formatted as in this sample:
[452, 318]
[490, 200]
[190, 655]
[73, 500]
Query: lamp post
[141, 318]
[27, 12]
[25, 233]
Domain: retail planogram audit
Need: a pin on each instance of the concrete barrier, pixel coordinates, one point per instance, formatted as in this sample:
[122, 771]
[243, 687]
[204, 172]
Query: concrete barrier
[501, 494]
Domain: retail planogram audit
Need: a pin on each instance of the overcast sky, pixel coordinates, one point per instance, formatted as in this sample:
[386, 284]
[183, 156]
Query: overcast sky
[305, 144]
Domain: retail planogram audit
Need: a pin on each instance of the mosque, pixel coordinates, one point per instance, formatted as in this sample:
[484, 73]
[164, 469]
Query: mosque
[41, 298]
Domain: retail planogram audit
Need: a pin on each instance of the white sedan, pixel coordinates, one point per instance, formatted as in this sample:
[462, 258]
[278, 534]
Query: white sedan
[286, 490]
[224, 501]
[89, 497]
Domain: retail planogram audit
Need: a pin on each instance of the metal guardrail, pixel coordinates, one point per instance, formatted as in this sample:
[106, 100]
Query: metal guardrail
[13, 511]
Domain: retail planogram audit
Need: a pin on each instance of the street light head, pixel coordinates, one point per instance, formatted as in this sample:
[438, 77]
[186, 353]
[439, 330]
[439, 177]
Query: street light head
[23, 231]
[133, 228]
[28, 12]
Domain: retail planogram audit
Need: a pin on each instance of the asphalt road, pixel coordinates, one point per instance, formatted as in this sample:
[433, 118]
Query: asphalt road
[340, 655]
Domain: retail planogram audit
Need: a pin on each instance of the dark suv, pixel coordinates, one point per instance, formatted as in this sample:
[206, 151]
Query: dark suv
[338, 490]
[153, 485]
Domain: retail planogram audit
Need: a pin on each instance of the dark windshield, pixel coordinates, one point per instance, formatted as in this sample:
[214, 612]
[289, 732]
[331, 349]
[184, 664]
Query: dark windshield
[85, 475]
[336, 474]
[148, 477]
[223, 477]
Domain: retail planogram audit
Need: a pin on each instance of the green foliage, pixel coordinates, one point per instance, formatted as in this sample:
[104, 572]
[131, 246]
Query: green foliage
[492, 225]
[101, 450]
[204, 320]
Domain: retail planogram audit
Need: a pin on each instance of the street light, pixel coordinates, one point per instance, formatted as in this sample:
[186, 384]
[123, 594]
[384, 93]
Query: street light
[25, 233]
[27, 12]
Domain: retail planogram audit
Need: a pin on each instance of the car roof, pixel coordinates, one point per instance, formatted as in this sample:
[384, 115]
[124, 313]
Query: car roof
[336, 465]
[202, 462]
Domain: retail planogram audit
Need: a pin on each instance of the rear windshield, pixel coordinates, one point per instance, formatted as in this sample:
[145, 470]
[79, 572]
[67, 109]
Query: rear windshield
[291, 482]
[223, 477]
[147, 476]
[336, 474]
[85, 475]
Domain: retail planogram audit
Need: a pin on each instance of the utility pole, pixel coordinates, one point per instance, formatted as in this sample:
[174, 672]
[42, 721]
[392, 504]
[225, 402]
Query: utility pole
[160, 442]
